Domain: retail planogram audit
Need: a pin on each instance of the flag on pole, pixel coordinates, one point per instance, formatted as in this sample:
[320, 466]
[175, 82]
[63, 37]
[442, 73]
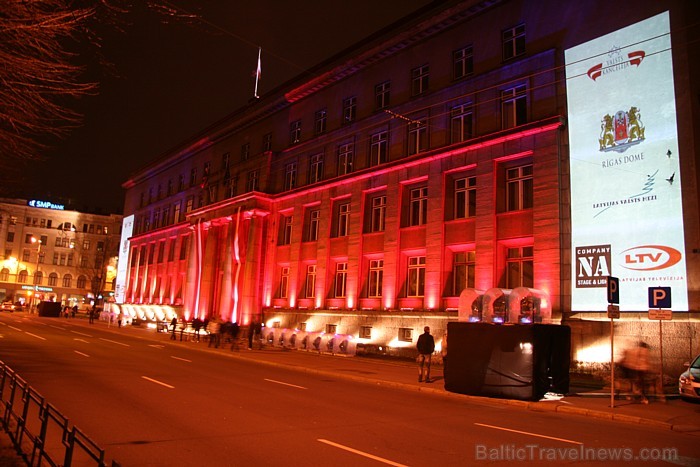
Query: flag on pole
[258, 72]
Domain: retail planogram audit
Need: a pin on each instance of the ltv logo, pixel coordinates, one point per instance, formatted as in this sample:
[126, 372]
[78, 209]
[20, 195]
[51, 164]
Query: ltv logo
[650, 257]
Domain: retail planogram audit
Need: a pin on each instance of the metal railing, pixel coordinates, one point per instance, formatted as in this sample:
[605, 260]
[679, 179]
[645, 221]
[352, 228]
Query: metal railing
[39, 432]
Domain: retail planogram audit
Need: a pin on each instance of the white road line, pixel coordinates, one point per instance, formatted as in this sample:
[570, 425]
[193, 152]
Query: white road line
[360, 453]
[80, 353]
[57, 327]
[528, 433]
[114, 342]
[81, 334]
[181, 359]
[157, 346]
[285, 384]
[80, 340]
[34, 335]
[16, 329]
[158, 382]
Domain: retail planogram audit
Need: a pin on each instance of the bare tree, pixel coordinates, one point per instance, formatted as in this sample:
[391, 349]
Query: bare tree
[40, 71]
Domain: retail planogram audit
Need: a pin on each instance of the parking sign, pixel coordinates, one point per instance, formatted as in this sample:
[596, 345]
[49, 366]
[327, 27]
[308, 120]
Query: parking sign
[660, 297]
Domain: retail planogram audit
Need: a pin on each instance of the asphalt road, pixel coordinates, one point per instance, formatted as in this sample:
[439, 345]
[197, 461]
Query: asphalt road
[150, 403]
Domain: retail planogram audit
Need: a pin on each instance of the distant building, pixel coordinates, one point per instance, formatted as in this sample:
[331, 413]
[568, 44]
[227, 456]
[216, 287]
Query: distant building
[49, 253]
[425, 175]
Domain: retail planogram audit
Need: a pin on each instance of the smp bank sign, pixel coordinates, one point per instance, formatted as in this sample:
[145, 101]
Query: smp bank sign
[626, 205]
[35, 203]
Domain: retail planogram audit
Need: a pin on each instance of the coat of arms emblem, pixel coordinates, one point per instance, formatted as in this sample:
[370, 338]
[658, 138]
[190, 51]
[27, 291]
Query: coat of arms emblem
[619, 132]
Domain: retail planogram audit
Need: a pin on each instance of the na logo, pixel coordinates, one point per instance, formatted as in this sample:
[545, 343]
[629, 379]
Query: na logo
[650, 257]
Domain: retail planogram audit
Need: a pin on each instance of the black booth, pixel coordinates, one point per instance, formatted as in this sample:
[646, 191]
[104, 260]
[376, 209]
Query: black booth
[50, 309]
[512, 361]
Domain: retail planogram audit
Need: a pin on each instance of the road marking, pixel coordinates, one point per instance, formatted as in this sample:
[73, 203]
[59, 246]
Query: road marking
[34, 335]
[81, 334]
[285, 384]
[360, 453]
[114, 342]
[157, 346]
[528, 433]
[16, 329]
[80, 340]
[182, 359]
[158, 382]
[57, 327]
[80, 353]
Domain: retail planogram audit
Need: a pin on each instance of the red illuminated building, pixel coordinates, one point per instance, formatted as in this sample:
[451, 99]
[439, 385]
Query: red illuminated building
[365, 198]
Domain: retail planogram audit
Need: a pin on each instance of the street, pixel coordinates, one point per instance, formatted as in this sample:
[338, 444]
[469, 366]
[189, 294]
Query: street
[152, 401]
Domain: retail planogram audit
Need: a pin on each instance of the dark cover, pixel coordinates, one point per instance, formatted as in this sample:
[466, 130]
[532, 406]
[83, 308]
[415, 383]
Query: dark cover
[50, 309]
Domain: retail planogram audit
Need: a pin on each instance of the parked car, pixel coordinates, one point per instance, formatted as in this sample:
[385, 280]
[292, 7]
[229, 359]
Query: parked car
[689, 381]
[7, 306]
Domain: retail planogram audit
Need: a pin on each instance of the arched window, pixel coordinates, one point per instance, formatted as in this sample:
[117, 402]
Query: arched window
[81, 282]
[67, 280]
[22, 277]
[53, 279]
[4, 275]
[38, 277]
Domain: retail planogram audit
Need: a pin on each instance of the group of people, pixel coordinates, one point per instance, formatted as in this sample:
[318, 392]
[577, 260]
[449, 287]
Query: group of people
[218, 331]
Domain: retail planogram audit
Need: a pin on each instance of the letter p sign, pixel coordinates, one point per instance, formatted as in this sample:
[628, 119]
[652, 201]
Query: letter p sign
[660, 297]
[613, 290]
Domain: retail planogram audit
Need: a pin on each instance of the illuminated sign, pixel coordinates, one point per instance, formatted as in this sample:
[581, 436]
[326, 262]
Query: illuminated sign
[37, 288]
[626, 206]
[123, 263]
[35, 203]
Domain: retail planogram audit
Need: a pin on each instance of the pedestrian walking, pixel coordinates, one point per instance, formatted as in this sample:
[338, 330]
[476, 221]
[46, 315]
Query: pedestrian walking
[426, 347]
[213, 328]
[235, 331]
[251, 334]
[173, 325]
[636, 366]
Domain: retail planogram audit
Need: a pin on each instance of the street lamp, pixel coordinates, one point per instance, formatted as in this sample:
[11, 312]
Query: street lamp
[36, 271]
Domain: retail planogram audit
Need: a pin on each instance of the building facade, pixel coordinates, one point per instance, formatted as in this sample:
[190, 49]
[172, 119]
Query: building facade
[53, 254]
[421, 176]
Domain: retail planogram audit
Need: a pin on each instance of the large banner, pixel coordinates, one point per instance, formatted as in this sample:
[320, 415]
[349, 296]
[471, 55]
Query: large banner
[123, 265]
[626, 208]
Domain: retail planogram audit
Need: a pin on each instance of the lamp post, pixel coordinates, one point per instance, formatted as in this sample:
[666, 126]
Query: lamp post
[36, 271]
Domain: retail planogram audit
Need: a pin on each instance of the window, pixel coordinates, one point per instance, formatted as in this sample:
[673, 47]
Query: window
[463, 266]
[10, 237]
[189, 204]
[161, 251]
[286, 230]
[461, 123]
[38, 278]
[343, 220]
[316, 168]
[345, 159]
[375, 278]
[184, 245]
[465, 197]
[378, 220]
[67, 280]
[5, 275]
[417, 137]
[284, 282]
[310, 284]
[463, 62]
[365, 332]
[84, 261]
[252, 182]
[405, 334]
[193, 177]
[245, 151]
[176, 212]
[513, 42]
[514, 106]
[267, 142]
[415, 286]
[519, 188]
[381, 95]
[419, 80]
[349, 110]
[81, 282]
[295, 132]
[418, 214]
[290, 175]
[171, 250]
[378, 148]
[519, 270]
[53, 279]
[320, 118]
[25, 255]
[341, 275]
[314, 217]
[22, 277]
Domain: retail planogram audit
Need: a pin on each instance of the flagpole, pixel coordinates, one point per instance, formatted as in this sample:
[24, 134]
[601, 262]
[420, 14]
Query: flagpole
[257, 74]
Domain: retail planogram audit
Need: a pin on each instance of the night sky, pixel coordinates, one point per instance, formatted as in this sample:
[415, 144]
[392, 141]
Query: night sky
[170, 81]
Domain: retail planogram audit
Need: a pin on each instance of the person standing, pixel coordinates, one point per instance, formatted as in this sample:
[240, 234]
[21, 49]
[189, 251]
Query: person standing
[235, 330]
[426, 347]
[173, 324]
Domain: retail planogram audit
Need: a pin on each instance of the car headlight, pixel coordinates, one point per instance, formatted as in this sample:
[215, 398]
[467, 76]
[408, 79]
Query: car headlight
[683, 380]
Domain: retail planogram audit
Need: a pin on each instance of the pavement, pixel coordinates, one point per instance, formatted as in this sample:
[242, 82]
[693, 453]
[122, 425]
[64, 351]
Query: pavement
[587, 397]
